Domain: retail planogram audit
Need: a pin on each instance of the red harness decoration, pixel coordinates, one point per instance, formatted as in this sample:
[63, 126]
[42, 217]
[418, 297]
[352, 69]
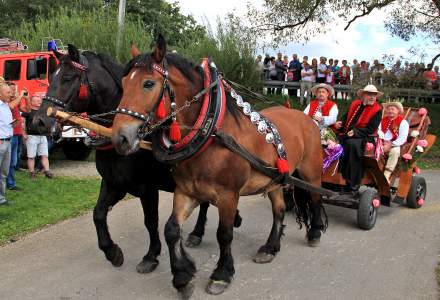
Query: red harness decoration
[392, 125]
[365, 117]
[187, 139]
[83, 92]
[203, 111]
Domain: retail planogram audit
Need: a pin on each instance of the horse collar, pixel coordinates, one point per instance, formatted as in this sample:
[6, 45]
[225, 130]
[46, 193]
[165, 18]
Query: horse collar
[201, 135]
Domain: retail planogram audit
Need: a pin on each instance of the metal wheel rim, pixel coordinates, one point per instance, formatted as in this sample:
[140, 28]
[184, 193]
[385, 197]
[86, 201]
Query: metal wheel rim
[420, 191]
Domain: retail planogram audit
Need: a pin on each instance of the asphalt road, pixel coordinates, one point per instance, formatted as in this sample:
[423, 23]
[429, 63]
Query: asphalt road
[395, 260]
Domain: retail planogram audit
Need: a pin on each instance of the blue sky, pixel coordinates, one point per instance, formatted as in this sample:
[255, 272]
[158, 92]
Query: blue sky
[366, 39]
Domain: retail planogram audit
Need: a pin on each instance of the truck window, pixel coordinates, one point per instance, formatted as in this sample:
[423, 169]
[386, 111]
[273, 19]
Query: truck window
[36, 68]
[12, 70]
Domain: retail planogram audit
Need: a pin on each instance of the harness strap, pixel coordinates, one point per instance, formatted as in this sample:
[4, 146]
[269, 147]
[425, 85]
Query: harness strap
[257, 163]
[261, 166]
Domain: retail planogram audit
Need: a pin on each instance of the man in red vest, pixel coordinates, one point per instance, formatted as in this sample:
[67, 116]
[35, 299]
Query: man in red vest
[322, 110]
[355, 130]
[393, 130]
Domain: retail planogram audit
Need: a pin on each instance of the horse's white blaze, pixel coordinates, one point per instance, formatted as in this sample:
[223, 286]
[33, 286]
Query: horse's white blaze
[132, 74]
[56, 72]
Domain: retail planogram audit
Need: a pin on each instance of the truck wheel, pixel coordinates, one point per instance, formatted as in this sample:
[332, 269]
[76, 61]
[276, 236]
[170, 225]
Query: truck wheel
[76, 150]
[367, 213]
[417, 192]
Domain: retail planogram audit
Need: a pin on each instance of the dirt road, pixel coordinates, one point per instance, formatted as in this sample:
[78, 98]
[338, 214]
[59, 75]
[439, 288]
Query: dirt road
[395, 260]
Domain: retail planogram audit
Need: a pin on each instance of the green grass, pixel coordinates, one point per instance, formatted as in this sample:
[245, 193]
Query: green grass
[430, 161]
[44, 201]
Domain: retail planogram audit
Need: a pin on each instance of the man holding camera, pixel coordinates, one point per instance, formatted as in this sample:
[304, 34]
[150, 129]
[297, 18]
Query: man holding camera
[6, 133]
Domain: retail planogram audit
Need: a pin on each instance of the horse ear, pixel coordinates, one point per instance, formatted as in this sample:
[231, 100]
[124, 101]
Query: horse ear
[160, 49]
[73, 52]
[134, 50]
[57, 54]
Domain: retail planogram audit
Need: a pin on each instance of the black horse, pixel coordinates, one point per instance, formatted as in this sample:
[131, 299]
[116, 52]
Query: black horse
[91, 83]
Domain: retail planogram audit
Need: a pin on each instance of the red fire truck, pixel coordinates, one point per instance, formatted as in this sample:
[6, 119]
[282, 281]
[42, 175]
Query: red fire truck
[31, 70]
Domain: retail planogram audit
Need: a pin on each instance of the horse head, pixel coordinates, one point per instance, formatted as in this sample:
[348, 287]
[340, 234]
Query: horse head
[155, 85]
[83, 82]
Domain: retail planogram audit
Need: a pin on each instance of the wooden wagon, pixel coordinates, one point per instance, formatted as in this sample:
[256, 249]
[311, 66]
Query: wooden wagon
[406, 184]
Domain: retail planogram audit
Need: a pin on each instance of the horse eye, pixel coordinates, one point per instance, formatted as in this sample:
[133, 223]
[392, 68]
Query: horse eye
[148, 84]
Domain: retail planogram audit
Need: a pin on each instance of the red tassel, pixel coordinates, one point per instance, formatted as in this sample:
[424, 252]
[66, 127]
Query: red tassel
[161, 112]
[83, 92]
[287, 103]
[282, 165]
[175, 134]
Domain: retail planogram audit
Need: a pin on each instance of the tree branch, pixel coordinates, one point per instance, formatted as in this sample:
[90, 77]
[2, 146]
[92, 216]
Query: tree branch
[368, 9]
[432, 64]
[277, 27]
[426, 14]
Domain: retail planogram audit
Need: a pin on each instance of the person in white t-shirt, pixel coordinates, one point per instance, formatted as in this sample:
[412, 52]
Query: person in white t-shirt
[393, 130]
[307, 78]
[322, 70]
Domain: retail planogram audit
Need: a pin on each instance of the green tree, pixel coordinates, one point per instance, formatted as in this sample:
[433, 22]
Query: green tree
[13, 12]
[232, 48]
[159, 16]
[94, 30]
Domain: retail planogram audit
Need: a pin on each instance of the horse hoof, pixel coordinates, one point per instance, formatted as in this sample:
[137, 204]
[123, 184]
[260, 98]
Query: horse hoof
[193, 241]
[313, 242]
[313, 237]
[237, 220]
[147, 266]
[263, 258]
[216, 287]
[186, 291]
[115, 256]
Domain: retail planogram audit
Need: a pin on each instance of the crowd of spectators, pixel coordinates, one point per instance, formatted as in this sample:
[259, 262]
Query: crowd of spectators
[16, 127]
[332, 72]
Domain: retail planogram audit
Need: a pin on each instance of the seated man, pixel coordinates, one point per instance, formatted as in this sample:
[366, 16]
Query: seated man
[323, 111]
[393, 130]
[355, 130]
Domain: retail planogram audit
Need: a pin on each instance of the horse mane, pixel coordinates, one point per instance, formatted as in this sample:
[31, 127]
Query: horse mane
[186, 67]
[115, 70]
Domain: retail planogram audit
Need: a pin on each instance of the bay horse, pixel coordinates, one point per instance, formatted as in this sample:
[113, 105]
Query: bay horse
[209, 171]
[91, 83]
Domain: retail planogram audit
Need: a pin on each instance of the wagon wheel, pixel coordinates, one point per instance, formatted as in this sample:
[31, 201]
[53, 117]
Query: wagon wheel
[417, 192]
[367, 210]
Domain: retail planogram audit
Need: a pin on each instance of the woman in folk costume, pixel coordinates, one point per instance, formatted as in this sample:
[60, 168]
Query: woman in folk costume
[393, 130]
[324, 112]
[355, 130]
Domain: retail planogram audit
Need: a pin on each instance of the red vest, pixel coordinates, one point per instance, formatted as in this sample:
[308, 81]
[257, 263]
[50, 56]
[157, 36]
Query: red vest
[365, 117]
[392, 125]
[325, 109]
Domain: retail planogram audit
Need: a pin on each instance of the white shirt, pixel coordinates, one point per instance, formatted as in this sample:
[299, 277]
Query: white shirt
[402, 137]
[5, 121]
[327, 120]
[321, 70]
[307, 75]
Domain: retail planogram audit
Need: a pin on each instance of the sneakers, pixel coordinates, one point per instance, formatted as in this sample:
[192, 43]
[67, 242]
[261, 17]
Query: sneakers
[4, 202]
[14, 188]
[48, 174]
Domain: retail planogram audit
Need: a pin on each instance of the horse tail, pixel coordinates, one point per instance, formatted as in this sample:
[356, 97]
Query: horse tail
[299, 200]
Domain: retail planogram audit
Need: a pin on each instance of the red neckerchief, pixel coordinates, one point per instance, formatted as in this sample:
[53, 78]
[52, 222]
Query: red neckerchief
[392, 125]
